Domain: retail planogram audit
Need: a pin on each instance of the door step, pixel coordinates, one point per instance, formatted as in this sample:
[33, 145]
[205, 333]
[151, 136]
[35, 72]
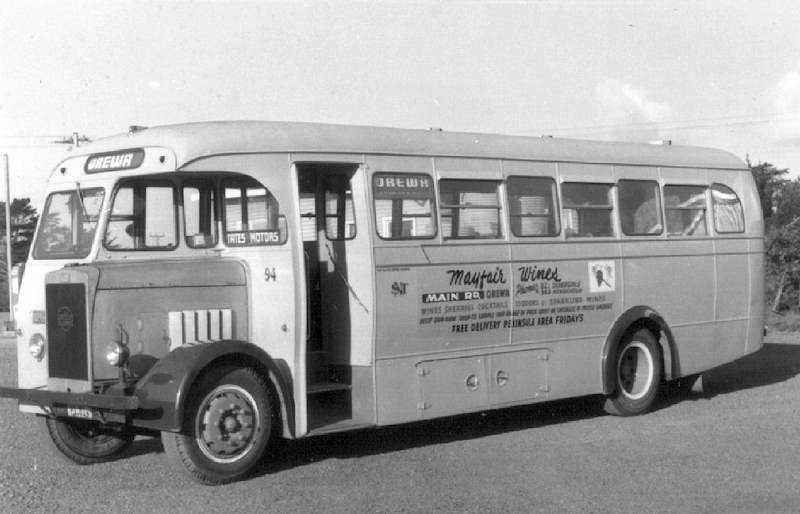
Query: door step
[325, 387]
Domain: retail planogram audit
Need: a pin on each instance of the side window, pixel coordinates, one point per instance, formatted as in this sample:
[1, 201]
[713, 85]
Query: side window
[252, 216]
[586, 210]
[470, 209]
[639, 207]
[728, 215]
[403, 206]
[340, 219]
[532, 206]
[686, 210]
[143, 217]
[199, 214]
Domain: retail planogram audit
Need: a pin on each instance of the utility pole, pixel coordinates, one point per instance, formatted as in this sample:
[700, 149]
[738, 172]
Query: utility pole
[8, 239]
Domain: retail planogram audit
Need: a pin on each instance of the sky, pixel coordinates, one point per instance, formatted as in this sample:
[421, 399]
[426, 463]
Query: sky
[722, 74]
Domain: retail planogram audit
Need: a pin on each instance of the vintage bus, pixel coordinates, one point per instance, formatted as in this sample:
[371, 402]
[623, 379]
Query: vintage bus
[227, 284]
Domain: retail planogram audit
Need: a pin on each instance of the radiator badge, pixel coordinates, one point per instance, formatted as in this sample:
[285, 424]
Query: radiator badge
[66, 319]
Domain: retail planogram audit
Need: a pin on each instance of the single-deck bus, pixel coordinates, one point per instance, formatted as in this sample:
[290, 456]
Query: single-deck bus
[230, 283]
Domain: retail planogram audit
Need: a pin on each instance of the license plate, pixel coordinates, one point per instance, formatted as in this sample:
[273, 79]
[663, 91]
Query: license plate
[79, 412]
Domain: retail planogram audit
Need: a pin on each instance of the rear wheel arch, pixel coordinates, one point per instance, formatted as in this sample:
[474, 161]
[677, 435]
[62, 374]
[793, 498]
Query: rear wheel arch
[634, 319]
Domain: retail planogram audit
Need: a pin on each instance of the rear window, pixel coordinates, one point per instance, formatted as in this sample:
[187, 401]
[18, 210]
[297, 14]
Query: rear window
[728, 215]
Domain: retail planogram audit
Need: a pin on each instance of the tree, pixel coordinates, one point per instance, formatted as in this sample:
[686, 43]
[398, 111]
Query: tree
[786, 204]
[769, 181]
[23, 224]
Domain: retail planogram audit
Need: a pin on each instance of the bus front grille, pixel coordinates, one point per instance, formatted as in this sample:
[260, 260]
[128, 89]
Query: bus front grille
[66, 331]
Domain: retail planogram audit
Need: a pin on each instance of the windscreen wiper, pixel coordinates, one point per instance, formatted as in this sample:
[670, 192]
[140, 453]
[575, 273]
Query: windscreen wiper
[80, 199]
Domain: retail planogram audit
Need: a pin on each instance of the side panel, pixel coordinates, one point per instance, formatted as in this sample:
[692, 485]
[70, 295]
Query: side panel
[757, 306]
[424, 388]
[740, 273]
[677, 280]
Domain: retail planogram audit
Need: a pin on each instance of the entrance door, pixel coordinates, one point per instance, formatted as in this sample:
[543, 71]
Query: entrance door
[339, 291]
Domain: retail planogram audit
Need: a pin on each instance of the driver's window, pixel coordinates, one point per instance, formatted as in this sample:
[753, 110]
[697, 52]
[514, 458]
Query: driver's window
[143, 217]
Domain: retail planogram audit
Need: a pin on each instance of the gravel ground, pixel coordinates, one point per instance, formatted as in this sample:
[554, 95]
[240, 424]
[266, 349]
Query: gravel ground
[733, 448]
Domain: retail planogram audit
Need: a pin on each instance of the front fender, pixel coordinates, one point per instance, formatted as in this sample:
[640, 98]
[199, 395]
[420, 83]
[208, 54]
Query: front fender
[164, 390]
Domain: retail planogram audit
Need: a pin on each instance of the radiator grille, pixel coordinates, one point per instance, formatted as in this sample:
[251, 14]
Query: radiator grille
[199, 326]
[66, 331]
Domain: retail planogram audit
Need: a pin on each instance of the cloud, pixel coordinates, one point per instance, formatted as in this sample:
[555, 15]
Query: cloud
[629, 111]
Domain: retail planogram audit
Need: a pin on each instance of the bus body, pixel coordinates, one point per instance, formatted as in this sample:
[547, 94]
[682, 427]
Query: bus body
[228, 283]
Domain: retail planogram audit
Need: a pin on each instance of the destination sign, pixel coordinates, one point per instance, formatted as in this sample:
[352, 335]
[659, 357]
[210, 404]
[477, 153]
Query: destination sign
[406, 185]
[114, 161]
[253, 238]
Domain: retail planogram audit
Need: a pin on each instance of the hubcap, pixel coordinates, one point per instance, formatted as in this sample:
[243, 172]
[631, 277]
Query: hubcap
[227, 424]
[635, 370]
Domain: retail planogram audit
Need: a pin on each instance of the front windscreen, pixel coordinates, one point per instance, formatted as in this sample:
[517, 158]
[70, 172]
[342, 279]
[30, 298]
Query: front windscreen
[68, 224]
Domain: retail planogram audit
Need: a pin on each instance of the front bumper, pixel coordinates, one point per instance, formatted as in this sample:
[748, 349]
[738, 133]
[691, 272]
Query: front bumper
[57, 398]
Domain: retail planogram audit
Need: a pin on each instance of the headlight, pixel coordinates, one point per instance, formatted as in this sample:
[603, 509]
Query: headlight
[36, 346]
[117, 354]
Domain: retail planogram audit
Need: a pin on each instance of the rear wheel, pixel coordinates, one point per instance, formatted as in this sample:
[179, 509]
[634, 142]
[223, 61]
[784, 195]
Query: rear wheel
[637, 375]
[230, 421]
[85, 442]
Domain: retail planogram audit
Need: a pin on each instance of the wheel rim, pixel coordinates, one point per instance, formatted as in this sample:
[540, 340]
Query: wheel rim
[635, 370]
[228, 424]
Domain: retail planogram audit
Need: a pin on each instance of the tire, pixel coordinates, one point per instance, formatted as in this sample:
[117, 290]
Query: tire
[230, 421]
[637, 375]
[85, 442]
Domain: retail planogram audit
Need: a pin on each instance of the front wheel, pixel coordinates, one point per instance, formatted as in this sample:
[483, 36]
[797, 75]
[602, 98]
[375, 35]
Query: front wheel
[637, 375]
[229, 422]
[85, 442]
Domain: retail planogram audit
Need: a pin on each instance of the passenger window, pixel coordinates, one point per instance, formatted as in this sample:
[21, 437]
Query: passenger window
[470, 209]
[404, 206]
[199, 216]
[252, 215]
[728, 215]
[587, 210]
[340, 219]
[639, 207]
[142, 218]
[686, 210]
[532, 206]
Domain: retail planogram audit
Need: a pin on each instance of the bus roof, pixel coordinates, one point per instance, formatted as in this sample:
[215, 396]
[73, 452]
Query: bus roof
[192, 141]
